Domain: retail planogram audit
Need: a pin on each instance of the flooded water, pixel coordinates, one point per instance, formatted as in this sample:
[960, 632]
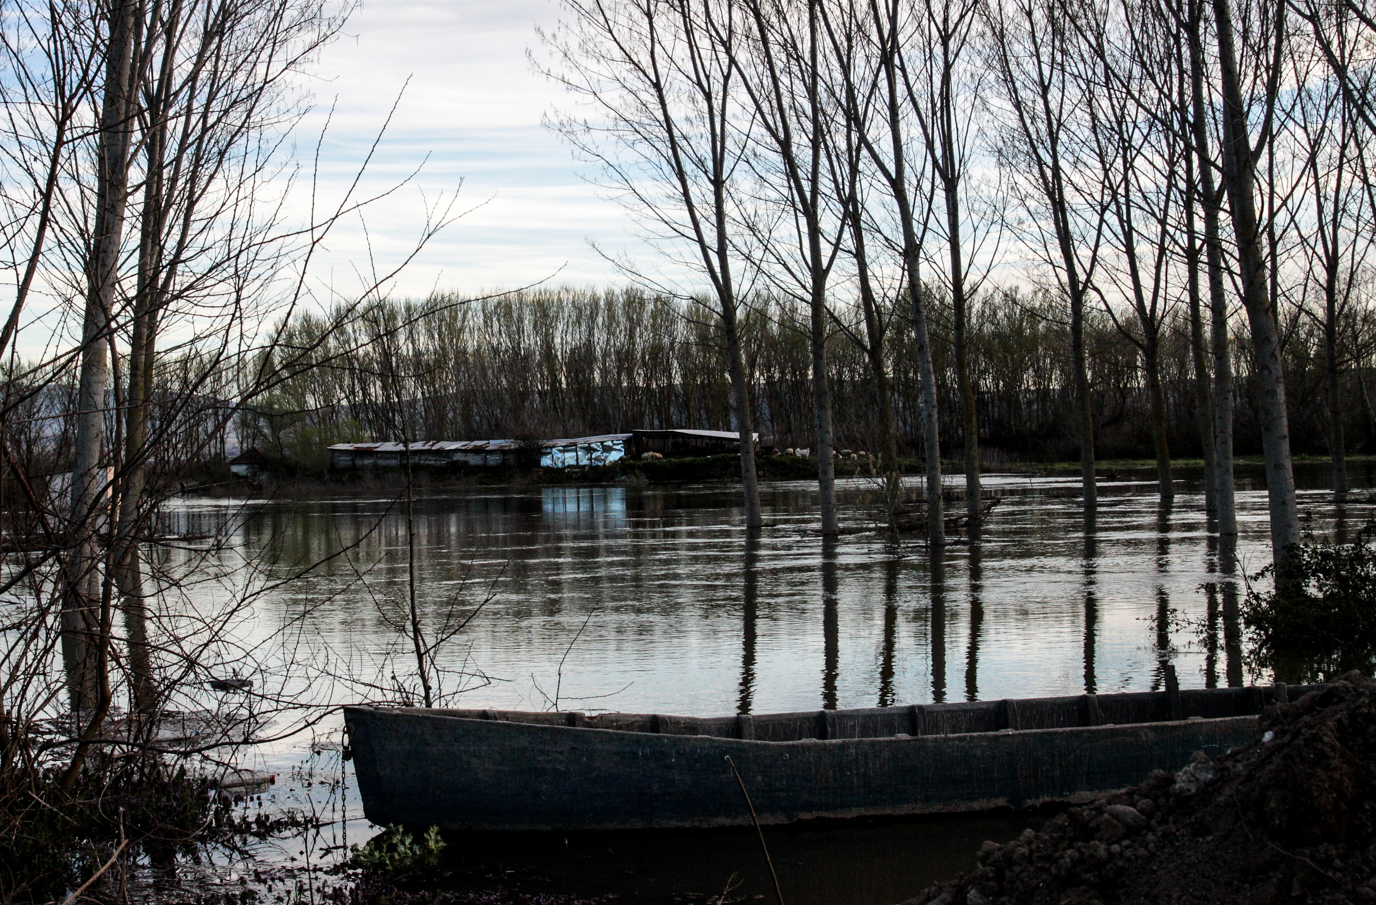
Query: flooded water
[650, 599]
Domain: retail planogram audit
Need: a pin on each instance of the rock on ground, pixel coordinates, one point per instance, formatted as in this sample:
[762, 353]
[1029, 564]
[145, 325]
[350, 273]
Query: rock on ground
[1288, 818]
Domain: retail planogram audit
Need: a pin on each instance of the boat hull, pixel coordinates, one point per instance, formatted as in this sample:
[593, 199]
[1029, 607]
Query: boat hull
[424, 768]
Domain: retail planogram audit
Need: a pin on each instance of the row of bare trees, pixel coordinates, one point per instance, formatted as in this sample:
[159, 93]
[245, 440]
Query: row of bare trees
[1151, 160]
[549, 363]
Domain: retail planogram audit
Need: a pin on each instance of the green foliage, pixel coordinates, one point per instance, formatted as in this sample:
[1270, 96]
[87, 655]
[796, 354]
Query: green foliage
[1324, 623]
[396, 851]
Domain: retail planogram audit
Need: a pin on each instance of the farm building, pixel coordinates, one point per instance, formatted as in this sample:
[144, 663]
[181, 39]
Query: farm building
[602, 449]
[674, 444]
[430, 453]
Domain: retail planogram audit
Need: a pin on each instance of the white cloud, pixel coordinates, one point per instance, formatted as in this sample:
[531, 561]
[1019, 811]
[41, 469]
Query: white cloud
[473, 106]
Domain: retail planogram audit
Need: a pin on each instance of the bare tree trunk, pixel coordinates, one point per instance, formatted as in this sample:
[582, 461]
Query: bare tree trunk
[151, 281]
[941, 142]
[931, 424]
[1212, 199]
[819, 270]
[875, 330]
[1084, 400]
[1152, 359]
[1204, 414]
[784, 109]
[82, 641]
[1336, 443]
[969, 410]
[745, 422]
[1239, 180]
[821, 401]
[844, 46]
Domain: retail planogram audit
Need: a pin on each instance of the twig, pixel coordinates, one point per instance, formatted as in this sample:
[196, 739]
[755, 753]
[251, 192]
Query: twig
[732, 883]
[778, 891]
[95, 876]
[559, 676]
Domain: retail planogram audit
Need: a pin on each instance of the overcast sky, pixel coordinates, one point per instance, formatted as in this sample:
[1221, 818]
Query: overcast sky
[474, 106]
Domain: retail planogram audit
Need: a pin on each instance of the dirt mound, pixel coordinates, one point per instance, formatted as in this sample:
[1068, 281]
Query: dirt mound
[1288, 818]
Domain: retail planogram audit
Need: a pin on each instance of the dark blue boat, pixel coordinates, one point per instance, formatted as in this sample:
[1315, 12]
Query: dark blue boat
[499, 770]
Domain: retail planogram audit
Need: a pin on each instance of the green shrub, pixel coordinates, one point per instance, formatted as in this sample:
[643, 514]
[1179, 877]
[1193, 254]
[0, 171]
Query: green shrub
[1324, 623]
[395, 851]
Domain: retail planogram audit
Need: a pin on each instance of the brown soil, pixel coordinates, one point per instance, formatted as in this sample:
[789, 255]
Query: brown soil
[1288, 818]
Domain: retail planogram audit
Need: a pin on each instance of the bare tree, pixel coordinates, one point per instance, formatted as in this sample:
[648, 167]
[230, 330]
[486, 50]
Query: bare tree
[1210, 198]
[781, 74]
[1336, 236]
[945, 91]
[1241, 150]
[1030, 49]
[662, 78]
[890, 151]
[1132, 95]
[87, 613]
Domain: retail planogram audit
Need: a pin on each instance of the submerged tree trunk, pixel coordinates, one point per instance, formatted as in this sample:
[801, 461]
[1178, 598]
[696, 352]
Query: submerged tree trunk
[1160, 446]
[821, 404]
[952, 32]
[1084, 401]
[931, 423]
[1239, 179]
[1336, 442]
[745, 422]
[1329, 240]
[874, 354]
[788, 98]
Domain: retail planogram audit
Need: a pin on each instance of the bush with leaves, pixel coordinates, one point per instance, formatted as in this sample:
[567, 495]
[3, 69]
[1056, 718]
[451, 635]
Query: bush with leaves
[396, 851]
[1323, 623]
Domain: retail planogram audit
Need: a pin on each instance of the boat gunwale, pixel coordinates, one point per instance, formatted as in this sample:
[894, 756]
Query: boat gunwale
[900, 738]
[1072, 712]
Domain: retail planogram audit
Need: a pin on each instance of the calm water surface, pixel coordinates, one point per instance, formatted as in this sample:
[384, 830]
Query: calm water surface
[650, 599]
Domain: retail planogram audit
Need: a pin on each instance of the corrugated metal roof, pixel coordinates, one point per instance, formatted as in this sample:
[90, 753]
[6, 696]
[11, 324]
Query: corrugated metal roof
[433, 445]
[579, 441]
[715, 435]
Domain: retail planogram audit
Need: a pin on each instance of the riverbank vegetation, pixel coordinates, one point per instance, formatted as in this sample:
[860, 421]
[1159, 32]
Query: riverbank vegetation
[1324, 624]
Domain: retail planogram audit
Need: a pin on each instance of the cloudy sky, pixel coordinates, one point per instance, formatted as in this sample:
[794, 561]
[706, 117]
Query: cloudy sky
[473, 106]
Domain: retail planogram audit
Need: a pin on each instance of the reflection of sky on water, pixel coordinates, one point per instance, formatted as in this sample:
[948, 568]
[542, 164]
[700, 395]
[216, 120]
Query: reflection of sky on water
[648, 599]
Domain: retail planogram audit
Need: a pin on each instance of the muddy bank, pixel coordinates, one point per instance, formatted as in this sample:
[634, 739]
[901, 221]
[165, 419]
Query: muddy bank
[1288, 818]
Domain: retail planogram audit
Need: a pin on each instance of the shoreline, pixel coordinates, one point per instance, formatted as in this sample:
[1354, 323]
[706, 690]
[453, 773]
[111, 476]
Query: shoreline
[723, 469]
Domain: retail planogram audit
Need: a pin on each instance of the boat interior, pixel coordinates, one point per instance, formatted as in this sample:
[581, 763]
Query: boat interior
[928, 719]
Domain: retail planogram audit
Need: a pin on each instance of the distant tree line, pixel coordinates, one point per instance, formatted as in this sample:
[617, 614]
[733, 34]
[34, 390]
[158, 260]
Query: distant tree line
[550, 363]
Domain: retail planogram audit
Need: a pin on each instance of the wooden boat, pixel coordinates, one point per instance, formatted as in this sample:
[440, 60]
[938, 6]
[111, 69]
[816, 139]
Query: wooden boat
[499, 770]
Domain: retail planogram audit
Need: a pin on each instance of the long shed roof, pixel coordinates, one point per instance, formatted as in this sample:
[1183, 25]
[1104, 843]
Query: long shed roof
[423, 445]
